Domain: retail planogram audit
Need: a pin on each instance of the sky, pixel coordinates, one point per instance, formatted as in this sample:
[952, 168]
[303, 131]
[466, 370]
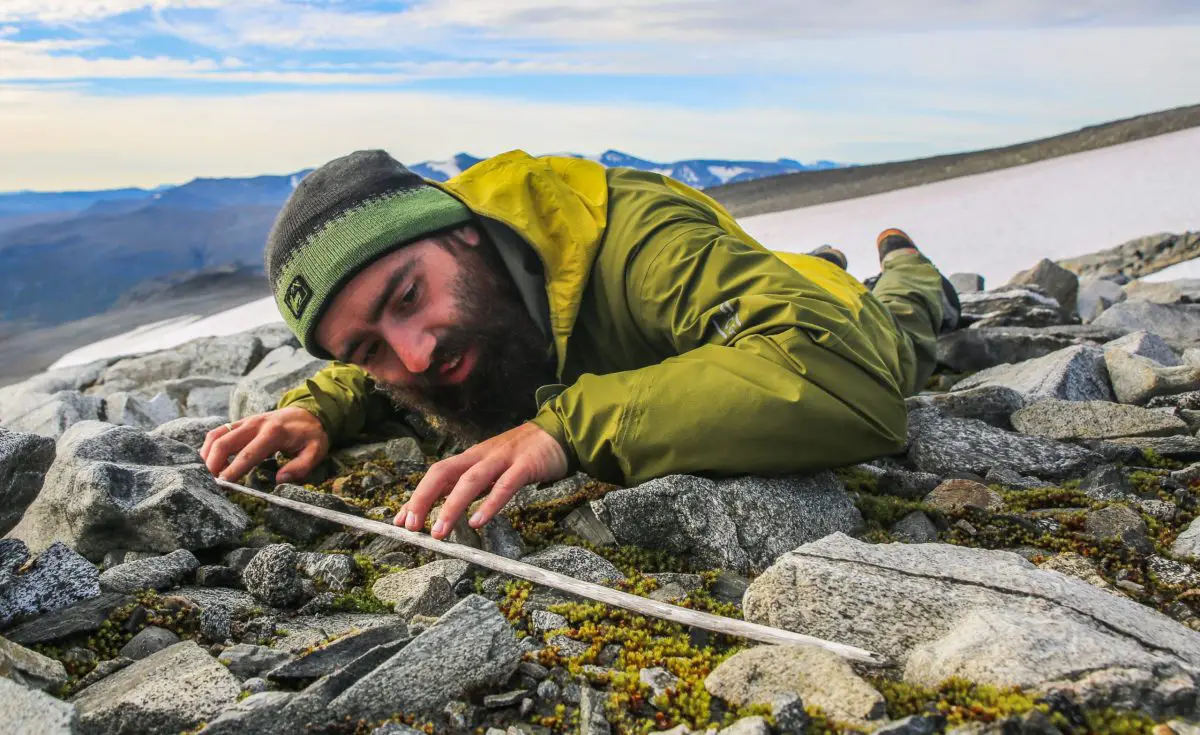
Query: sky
[109, 93]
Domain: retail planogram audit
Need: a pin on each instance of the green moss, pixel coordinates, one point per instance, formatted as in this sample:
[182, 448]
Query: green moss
[958, 700]
[361, 598]
[880, 512]
[858, 480]
[1064, 496]
[1154, 459]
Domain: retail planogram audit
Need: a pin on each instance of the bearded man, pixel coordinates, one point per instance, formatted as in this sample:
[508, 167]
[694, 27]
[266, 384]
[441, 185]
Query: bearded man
[571, 317]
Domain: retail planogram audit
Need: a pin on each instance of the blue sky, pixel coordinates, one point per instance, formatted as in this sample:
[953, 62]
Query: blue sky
[101, 93]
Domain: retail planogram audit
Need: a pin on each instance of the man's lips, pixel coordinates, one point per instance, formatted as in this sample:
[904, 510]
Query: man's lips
[456, 369]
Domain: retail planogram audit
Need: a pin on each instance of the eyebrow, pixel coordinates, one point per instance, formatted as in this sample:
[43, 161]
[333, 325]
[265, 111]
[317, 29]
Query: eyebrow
[379, 304]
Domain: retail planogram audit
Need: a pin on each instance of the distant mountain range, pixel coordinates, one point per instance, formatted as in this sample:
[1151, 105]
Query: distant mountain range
[69, 255]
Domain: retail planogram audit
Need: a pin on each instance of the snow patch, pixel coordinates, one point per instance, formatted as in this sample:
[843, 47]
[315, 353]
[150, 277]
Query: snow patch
[449, 168]
[725, 173]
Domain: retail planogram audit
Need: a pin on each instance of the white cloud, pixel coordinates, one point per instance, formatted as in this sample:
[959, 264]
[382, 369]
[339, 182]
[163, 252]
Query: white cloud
[63, 11]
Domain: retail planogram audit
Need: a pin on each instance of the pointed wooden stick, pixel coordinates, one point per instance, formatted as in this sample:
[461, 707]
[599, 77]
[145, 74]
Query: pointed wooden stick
[554, 580]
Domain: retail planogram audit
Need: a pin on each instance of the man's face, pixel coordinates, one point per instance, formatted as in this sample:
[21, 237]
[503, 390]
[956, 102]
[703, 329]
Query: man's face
[440, 328]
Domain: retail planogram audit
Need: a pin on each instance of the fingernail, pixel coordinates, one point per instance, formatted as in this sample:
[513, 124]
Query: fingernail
[283, 478]
[476, 520]
[411, 522]
[438, 528]
[400, 518]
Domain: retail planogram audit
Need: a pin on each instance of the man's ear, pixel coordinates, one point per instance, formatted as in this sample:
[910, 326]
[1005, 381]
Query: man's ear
[468, 235]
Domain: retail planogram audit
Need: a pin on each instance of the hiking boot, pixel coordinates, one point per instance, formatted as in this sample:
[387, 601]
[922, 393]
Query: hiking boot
[832, 254]
[893, 240]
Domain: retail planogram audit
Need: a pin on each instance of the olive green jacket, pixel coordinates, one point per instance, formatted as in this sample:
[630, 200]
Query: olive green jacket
[683, 345]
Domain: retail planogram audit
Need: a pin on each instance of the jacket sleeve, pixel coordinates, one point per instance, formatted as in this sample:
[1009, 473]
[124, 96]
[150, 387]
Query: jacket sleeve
[343, 398]
[771, 374]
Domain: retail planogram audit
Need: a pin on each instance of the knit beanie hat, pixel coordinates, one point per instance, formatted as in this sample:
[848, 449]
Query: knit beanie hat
[340, 219]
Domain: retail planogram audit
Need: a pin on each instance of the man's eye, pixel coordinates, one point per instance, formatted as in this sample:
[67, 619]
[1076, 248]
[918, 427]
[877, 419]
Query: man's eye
[410, 295]
[371, 352]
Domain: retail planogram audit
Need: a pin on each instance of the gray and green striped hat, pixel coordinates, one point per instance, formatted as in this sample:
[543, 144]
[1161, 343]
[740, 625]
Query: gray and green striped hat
[340, 219]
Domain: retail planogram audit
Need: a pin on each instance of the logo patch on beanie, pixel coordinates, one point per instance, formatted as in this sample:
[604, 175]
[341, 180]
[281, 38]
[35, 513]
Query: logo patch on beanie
[298, 295]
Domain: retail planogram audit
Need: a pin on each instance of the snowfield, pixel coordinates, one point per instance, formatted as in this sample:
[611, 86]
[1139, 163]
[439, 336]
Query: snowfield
[995, 224]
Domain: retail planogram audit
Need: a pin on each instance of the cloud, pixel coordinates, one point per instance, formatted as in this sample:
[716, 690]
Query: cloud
[64, 11]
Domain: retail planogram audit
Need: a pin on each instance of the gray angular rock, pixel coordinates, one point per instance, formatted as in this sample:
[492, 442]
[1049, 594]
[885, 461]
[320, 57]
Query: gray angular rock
[330, 657]
[156, 573]
[209, 400]
[128, 409]
[1148, 345]
[260, 713]
[673, 587]
[966, 282]
[1172, 573]
[1174, 323]
[500, 538]
[1136, 258]
[245, 660]
[415, 592]
[402, 450]
[992, 404]
[988, 616]
[116, 487]
[272, 577]
[280, 371]
[76, 377]
[1072, 374]
[1010, 478]
[905, 484]
[305, 632]
[85, 616]
[169, 691]
[748, 726]
[231, 355]
[301, 528]
[943, 445]
[24, 459]
[969, 350]
[30, 668]
[591, 713]
[470, 647]
[274, 335]
[1187, 544]
[52, 415]
[914, 528]
[1137, 379]
[1096, 295]
[1122, 524]
[149, 641]
[1179, 448]
[821, 678]
[576, 562]
[740, 524]
[333, 572]
[1010, 306]
[1078, 566]
[1107, 482]
[56, 579]
[30, 712]
[544, 621]
[1055, 419]
[1053, 280]
[188, 430]
[535, 495]
[953, 496]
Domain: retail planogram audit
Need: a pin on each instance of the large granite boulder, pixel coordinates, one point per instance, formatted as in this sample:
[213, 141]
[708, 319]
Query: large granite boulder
[24, 459]
[970, 350]
[942, 445]
[155, 573]
[992, 404]
[1073, 374]
[1094, 420]
[1174, 323]
[114, 487]
[986, 616]
[188, 430]
[51, 414]
[230, 355]
[130, 409]
[30, 712]
[56, 579]
[1096, 295]
[1010, 307]
[279, 372]
[1055, 281]
[1138, 257]
[1146, 344]
[1136, 379]
[740, 524]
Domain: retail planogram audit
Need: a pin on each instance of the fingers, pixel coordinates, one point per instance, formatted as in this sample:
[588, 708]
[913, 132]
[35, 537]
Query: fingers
[264, 445]
[438, 481]
[302, 464]
[231, 442]
[470, 485]
[513, 479]
[212, 436]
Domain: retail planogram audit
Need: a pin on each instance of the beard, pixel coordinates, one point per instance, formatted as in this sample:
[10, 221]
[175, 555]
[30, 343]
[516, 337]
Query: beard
[514, 357]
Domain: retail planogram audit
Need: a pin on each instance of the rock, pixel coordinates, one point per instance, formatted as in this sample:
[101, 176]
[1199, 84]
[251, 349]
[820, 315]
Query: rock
[127, 409]
[1137, 258]
[274, 335]
[1010, 307]
[1121, 524]
[245, 660]
[673, 587]
[217, 575]
[591, 713]
[576, 562]
[1187, 544]
[148, 641]
[260, 713]
[55, 580]
[500, 538]
[1138, 379]
[254, 685]
[298, 527]
[271, 575]
[189, 431]
[659, 680]
[1077, 566]
[470, 647]
[542, 622]
[987, 616]
[1157, 292]
[333, 572]
[280, 371]
[942, 445]
[1055, 419]
[399, 451]
[953, 496]
[215, 624]
[1010, 478]
[915, 528]
[966, 282]
[103, 669]
[231, 355]
[415, 592]
[1096, 295]
[1178, 448]
[24, 459]
[30, 668]
[739, 524]
[748, 726]
[332, 656]
[172, 690]
[1189, 401]
[52, 415]
[1055, 281]
[302, 633]
[115, 487]
[820, 678]
[157, 573]
[1107, 482]
[992, 404]
[1172, 573]
[1174, 323]
[561, 490]
[790, 716]
[970, 350]
[75, 378]
[1073, 374]
[30, 712]
[85, 616]
[1148, 345]
[905, 484]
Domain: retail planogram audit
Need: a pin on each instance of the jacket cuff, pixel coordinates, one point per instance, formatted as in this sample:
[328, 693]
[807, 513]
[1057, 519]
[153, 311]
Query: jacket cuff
[549, 422]
[311, 405]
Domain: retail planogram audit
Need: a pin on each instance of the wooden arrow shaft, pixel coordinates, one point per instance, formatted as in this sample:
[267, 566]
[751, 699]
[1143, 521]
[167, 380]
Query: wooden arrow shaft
[554, 580]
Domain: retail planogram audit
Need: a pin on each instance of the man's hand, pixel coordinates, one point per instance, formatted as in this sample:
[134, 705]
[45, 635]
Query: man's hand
[294, 431]
[504, 463]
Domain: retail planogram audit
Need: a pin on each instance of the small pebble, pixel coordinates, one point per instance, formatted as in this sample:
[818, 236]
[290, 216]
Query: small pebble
[533, 669]
[254, 685]
[547, 690]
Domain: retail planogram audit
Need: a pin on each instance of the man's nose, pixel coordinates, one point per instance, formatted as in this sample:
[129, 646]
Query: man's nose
[414, 348]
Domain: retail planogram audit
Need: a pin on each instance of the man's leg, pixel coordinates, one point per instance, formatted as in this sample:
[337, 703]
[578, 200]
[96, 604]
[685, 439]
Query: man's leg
[915, 293]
